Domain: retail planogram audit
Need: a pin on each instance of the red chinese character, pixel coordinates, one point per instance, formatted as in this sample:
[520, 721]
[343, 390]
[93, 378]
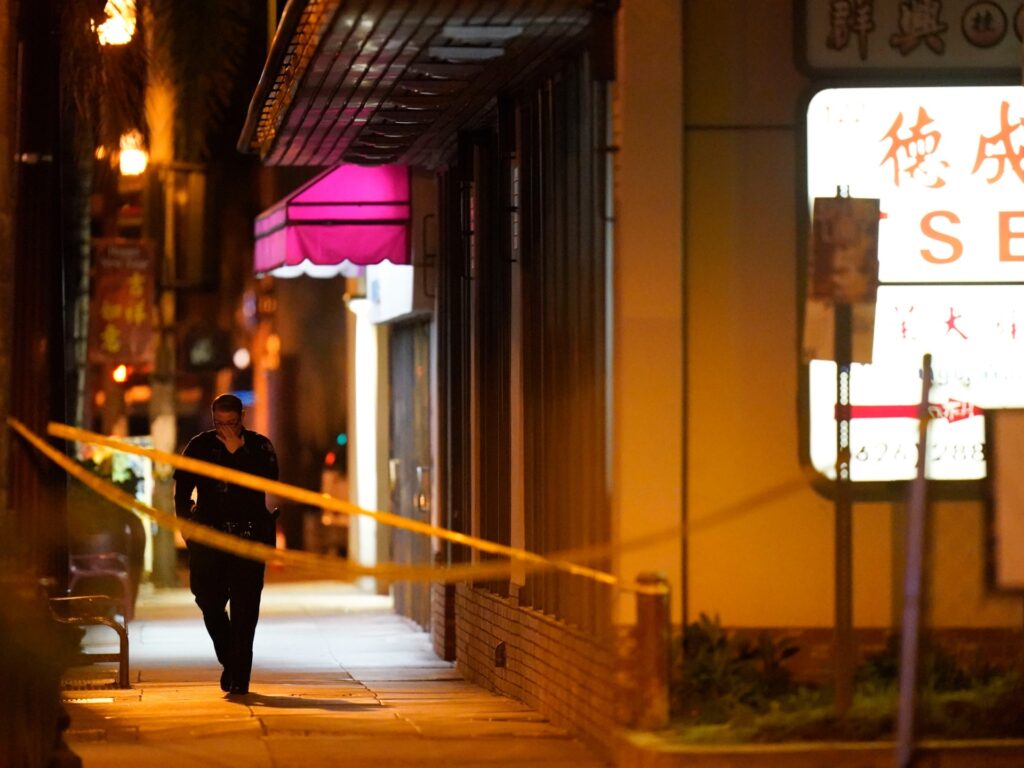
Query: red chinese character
[1001, 141]
[1007, 329]
[846, 16]
[951, 324]
[905, 318]
[919, 22]
[912, 153]
[957, 410]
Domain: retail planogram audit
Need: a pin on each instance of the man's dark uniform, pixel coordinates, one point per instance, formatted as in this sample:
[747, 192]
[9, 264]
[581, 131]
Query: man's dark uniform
[219, 577]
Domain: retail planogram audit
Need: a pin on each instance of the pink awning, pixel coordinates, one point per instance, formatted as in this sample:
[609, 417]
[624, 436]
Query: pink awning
[350, 215]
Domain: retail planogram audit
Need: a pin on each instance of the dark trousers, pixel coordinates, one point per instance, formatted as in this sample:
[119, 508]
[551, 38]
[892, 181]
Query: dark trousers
[216, 579]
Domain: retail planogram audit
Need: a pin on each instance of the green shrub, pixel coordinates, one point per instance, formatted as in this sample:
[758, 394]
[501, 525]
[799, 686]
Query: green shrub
[939, 670]
[718, 676]
[729, 688]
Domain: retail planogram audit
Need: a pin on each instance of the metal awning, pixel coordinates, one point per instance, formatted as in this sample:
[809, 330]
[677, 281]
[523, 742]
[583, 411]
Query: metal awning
[348, 216]
[389, 81]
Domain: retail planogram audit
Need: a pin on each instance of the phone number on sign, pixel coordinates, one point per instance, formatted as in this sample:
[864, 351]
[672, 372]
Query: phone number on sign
[907, 452]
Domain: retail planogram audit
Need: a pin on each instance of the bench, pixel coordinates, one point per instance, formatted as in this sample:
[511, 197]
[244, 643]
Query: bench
[95, 610]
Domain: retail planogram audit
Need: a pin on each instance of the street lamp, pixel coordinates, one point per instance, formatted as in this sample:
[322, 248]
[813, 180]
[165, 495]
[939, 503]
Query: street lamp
[133, 158]
[119, 28]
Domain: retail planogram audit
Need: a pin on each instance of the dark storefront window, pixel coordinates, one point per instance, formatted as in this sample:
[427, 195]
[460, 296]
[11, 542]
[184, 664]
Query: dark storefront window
[524, 206]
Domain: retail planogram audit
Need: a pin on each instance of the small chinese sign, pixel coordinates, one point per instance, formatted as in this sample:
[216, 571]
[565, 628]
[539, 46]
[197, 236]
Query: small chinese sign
[900, 35]
[121, 305]
[844, 251]
[843, 269]
[947, 165]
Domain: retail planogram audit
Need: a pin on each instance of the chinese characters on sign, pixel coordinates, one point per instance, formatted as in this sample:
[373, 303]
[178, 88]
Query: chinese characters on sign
[919, 22]
[947, 165]
[911, 152]
[121, 303]
[926, 34]
[850, 18]
[1005, 147]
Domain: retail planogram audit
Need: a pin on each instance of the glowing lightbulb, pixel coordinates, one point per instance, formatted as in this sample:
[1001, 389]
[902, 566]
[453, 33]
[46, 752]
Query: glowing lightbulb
[133, 159]
[119, 28]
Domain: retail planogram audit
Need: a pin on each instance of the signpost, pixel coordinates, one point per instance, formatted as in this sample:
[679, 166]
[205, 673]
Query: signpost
[913, 583]
[842, 275]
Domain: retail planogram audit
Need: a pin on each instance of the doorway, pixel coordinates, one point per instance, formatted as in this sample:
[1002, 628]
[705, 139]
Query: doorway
[410, 467]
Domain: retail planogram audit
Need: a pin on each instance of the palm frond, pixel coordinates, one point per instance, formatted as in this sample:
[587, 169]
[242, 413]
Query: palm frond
[104, 86]
[199, 47]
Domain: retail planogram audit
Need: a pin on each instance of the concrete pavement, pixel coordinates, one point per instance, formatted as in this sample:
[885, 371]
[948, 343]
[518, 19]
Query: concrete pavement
[338, 679]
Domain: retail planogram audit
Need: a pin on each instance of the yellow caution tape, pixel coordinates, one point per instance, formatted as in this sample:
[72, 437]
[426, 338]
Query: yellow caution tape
[308, 561]
[526, 562]
[326, 501]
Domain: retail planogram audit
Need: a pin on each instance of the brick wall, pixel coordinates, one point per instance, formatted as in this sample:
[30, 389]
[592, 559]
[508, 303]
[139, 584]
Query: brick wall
[571, 678]
[587, 685]
[442, 620]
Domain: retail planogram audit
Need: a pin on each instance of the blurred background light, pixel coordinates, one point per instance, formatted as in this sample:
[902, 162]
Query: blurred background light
[133, 158]
[119, 28]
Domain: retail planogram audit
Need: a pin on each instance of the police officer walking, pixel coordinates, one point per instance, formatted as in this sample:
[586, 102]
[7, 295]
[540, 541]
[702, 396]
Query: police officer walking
[218, 578]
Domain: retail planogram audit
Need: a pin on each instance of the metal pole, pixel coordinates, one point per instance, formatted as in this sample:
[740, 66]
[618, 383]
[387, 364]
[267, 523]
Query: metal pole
[912, 581]
[162, 403]
[843, 646]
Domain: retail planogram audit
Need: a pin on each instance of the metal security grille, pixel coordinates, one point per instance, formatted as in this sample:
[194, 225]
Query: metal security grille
[523, 210]
[563, 246]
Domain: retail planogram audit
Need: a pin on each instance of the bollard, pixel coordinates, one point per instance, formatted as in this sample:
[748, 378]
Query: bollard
[653, 651]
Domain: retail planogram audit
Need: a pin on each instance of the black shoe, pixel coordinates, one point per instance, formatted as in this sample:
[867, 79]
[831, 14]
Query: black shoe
[239, 690]
[225, 680]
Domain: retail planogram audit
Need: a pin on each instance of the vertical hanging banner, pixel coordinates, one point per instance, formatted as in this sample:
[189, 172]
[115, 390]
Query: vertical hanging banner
[121, 308]
[842, 269]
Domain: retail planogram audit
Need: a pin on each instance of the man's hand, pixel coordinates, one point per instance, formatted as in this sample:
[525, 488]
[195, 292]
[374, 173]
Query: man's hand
[231, 440]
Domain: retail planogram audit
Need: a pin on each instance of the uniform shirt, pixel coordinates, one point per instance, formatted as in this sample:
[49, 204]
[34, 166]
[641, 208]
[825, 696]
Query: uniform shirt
[220, 503]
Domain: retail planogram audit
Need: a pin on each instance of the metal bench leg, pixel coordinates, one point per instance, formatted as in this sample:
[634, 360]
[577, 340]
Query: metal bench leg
[122, 664]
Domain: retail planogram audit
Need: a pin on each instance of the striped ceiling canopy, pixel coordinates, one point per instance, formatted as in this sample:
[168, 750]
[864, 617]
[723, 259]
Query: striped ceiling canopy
[392, 81]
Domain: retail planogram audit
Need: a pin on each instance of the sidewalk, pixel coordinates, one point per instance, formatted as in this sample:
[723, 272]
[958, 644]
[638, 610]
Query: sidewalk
[337, 679]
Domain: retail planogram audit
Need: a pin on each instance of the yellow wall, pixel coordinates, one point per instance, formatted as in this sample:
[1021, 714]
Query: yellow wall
[646, 316]
[761, 551]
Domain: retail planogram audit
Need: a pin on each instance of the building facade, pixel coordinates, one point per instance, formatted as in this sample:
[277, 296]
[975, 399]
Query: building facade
[619, 278]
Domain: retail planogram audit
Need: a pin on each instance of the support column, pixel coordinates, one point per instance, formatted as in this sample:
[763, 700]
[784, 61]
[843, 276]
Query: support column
[647, 294]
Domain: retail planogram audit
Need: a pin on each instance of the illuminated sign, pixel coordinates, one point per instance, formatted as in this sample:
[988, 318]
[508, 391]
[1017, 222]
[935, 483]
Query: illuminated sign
[948, 167]
[867, 36]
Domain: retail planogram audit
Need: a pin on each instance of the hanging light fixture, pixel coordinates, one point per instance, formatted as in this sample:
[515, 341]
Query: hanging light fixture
[119, 28]
[133, 156]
